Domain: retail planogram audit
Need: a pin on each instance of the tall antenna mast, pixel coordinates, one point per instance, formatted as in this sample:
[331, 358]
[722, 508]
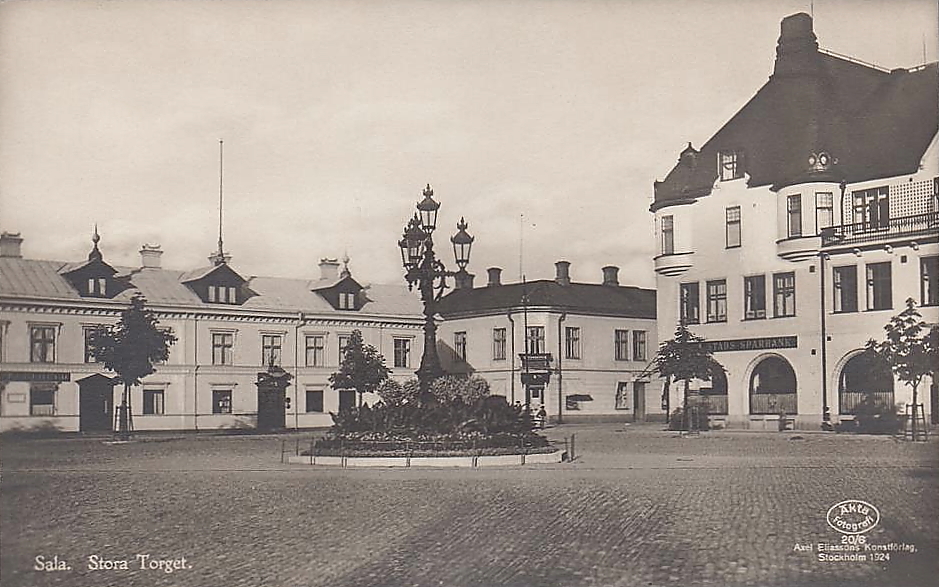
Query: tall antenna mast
[521, 244]
[221, 155]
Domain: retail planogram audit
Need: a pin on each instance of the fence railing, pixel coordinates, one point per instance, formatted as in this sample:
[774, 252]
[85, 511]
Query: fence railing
[773, 403]
[860, 232]
[848, 401]
[717, 404]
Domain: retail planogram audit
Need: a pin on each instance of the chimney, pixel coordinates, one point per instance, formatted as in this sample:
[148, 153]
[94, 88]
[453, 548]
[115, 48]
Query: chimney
[611, 275]
[329, 269]
[10, 245]
[563, 276]
[797, 49]
[464, 280]
[495, 276]
[150, 256]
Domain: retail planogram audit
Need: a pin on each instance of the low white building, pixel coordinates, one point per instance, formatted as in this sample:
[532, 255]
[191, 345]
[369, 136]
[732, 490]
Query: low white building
[600, 338]
[229, 328]
[800, 228]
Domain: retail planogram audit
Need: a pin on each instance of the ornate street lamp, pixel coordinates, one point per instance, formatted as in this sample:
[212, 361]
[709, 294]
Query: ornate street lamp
[429, 275]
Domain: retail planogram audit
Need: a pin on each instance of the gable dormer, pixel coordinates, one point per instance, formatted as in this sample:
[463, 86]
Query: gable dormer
[94, 278]
[219, 284]
[342, 292]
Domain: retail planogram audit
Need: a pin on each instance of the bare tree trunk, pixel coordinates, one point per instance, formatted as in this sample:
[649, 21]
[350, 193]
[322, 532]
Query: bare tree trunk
[915, 410]
[123, 424]
[665, 394]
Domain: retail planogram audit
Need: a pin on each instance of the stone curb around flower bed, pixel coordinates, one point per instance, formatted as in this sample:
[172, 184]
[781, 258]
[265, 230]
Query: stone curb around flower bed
[405, 462]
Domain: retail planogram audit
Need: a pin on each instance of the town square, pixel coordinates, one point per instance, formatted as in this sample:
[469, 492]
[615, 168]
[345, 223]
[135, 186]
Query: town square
[417, 293]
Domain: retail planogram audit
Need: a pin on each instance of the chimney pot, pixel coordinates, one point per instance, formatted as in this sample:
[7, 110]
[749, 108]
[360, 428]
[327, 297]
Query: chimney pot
[150, 256]
[495, 276]
[10, 245]
[563, 276]
[611, 275]
[329, 269]
[797, 49]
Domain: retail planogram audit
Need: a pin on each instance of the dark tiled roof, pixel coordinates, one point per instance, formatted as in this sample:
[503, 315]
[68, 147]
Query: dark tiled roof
[609, 300]
[873, 122]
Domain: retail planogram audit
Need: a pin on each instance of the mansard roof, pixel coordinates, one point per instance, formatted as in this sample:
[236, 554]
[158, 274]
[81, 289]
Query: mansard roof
[874, 123]
[43, 280]
[587, 298]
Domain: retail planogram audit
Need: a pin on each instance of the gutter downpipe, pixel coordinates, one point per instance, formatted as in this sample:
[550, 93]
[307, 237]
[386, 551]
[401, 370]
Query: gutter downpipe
[296, 370]
[195, 374]
[561, 318]
[826, 413]
[512, 322]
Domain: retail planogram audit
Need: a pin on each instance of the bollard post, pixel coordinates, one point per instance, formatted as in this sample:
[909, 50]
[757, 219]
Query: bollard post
[573, 452]
[283, 443]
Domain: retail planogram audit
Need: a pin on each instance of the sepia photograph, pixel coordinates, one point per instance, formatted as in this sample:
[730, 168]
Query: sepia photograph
[469, 293]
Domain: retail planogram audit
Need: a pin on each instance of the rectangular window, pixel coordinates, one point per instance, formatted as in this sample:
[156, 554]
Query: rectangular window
[42, 399]
[459, 345]
[824, 210]
[402, 352]
[872, 208]
[97, 286]
[879, 288]
[314, 400]
[731, 163]
[784, 295]
[639, 345]
[89, 356]
[223, 344]
[534, 342]
[845, 288]
[754, 297]
[153, 402]
[621, 345]
[668, 235]
[343, 343]
[622, 396]
[794, 212]
[315, 350]
[571, 342]
[717, 300]
[221, 401]
[271, 347]
[42, 344]
[732, 231]
[498, 344]
[690, 303]
[929, 286]
[346, 301]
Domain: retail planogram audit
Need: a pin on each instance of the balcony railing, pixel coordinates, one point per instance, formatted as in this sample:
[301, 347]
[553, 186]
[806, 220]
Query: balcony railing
[861, 232]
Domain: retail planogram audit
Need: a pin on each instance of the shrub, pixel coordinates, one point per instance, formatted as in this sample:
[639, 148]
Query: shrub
[678, 421]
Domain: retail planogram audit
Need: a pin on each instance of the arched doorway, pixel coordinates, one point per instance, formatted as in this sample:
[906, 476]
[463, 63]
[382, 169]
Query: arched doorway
[773, 387]
[864, 379]
[715, 394]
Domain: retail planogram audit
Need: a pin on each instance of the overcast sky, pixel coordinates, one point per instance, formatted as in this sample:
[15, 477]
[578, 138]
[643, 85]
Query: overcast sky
[336, 114]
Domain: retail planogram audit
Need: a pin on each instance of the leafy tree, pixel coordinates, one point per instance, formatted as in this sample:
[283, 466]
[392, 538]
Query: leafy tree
[684, 358]
[910, 349]
[362, 369]
[449, 388]
[130, 349]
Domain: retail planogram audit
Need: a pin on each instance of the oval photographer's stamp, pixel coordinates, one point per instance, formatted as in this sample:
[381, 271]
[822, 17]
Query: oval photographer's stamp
[853, 516]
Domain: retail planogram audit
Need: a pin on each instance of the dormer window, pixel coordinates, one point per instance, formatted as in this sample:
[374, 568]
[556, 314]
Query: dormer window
[222, 294]
[731, 165]
[346, 301]
[97, 286]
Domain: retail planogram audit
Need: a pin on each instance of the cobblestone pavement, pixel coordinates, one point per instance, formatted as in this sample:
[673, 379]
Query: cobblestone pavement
[638, 507]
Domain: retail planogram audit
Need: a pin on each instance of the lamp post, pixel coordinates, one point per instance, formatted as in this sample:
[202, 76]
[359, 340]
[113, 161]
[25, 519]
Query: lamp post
[429, 275]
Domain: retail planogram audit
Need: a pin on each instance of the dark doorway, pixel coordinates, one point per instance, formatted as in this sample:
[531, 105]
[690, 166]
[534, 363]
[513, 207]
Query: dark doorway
[96, 403]
[639, 401]
[864, 380]
[272, 398]
[773, 387]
